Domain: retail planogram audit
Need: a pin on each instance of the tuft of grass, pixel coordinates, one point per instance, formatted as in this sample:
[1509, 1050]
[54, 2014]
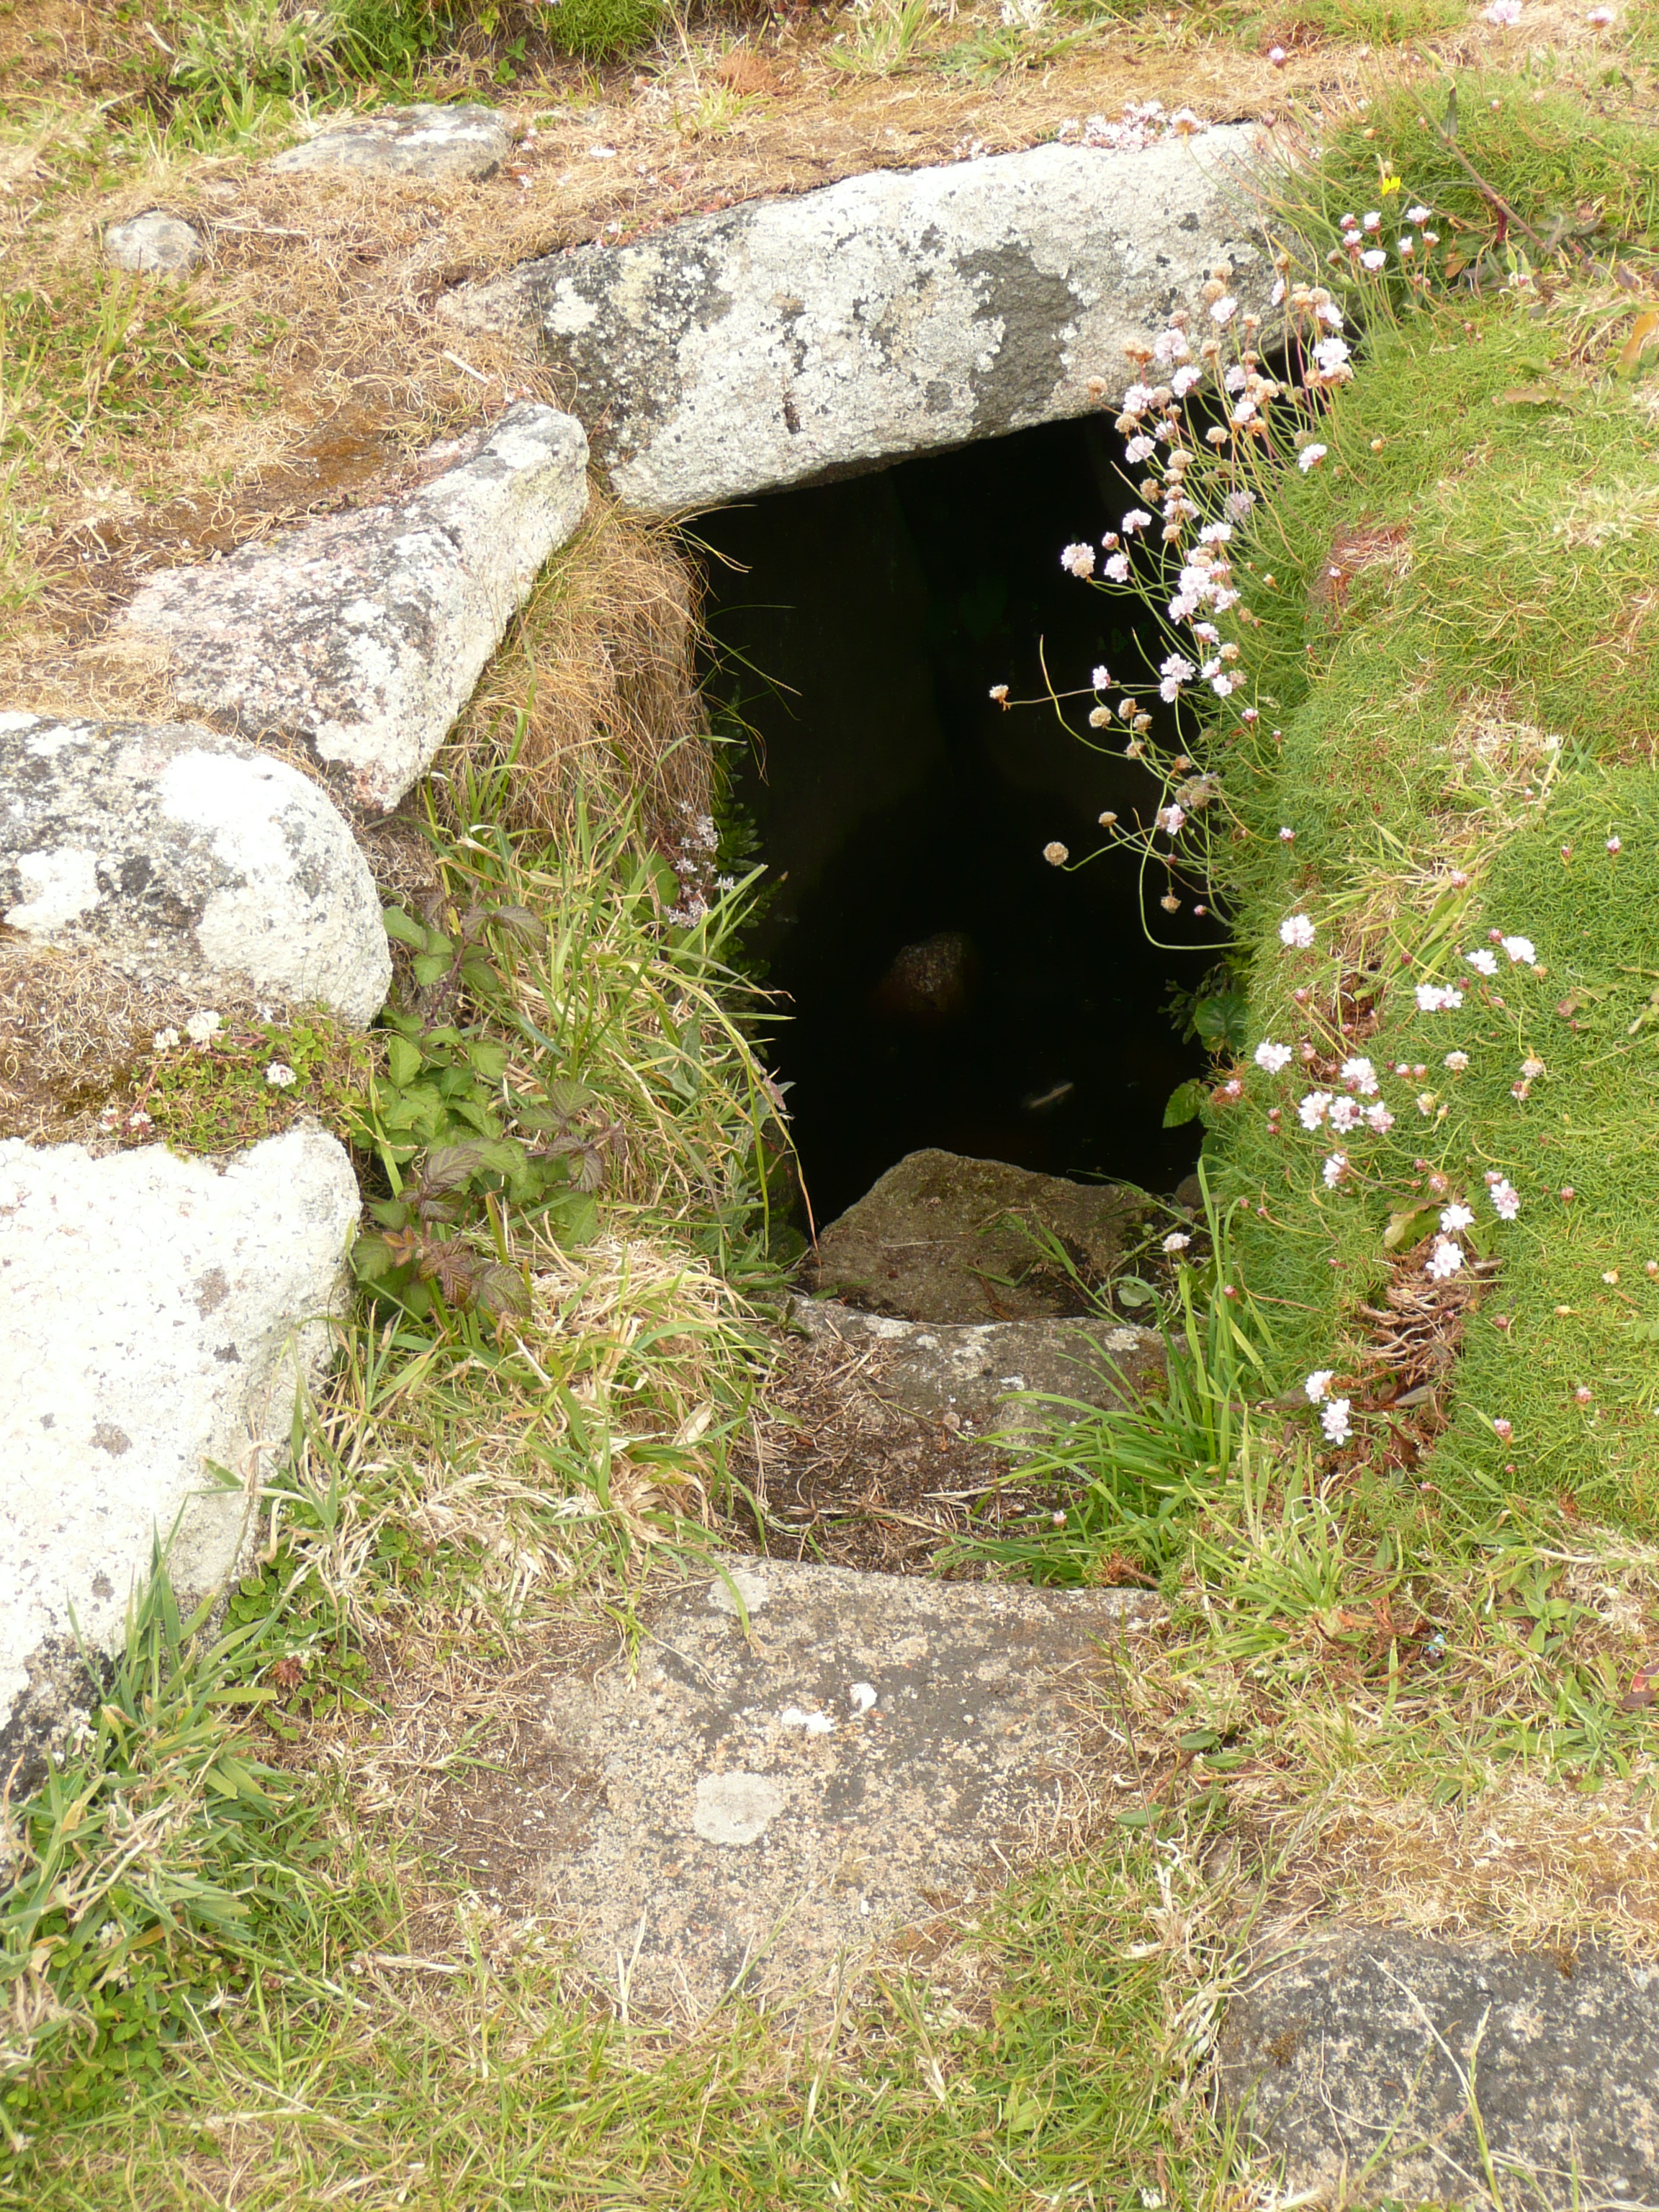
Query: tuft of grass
[159, 1868]
[592, 696]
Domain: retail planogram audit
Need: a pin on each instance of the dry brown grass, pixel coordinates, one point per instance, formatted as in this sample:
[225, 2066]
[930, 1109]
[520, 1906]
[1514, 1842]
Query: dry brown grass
[341, 276]
[71, 1028]
[594, 691]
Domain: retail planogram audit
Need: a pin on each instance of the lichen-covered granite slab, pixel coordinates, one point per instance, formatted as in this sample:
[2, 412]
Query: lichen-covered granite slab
[1359, 2060]
[768, 1804]
[187, 860]
[362, 635]
[791, 339]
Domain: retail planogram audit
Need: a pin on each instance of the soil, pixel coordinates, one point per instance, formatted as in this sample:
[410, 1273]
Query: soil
[842, 1475]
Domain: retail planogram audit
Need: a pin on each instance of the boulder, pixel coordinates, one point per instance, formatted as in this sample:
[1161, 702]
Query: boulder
[156, 243]
[362, 635]
[791, 339]
[967, 1374]
[186, 859]
[1361, 2061]
[423, 142]
[941, 1238]
[155, 1315]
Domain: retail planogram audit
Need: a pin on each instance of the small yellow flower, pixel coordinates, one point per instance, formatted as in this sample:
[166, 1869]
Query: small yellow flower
[1389, 184]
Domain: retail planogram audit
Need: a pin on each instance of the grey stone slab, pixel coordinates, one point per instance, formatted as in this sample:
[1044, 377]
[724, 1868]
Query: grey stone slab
[422, 143]
[942, 1238]
[938, 1369]
[186, 858]
[874, 1751]
[362, 635]
[156, 1314]
[1353, 2060]
[155, 244]
[792, 339]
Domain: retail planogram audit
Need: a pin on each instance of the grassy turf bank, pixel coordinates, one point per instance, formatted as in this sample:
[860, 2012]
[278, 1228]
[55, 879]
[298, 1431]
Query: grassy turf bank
[1460, 712]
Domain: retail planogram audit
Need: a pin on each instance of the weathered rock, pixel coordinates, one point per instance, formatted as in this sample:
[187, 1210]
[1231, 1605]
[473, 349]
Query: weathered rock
[788, 339]
[1353, 2061]
[944, 1239]
[362, 635]
[967, 1373]
[154, 1313]
[766, 1807]
[424, 142]
[185, 858]
[156, 243]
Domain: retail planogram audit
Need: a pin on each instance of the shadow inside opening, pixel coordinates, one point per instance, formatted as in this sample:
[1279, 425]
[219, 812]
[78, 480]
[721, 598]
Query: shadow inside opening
[946, 985]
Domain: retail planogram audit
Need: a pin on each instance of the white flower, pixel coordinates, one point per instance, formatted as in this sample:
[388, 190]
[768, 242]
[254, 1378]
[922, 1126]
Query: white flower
[1380, 1118]
[1503, 13]
[200, 1027]
[1136, 519]
[1222, 311]
[1310, 457]
[1346, 1114]
[1287, 834]
[1601, 17]
[1296, 929]
[1171, 345]
[1276, 297]
[1457, 1061]
[1425, 1102]
[1360, 1076]
[1271, 1056]
[1239, 504]
[1531, 1069]
[1117, 567]
[1372, 219]
[279, 1075]
[1328, 311]
[1169, 819]
[1454, 1217]
[1101, 677]
[1334, 1168]
[1079, 560]
[1418, 214]
[1374, 258]
[1176, 1240]
[1184, 380]
[1312, 1109]
[1521, 952]
[1055, 855]
[1138, 398]
[1139, 448]
[165, 1040]
[1483, 962]
[1331, 354]
[1505, 1199]
[1438, 998]
[1444, 1261]
[1334, 1421]
[1318, 1384]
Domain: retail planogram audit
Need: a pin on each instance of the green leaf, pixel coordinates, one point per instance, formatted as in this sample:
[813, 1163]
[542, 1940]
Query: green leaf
[403, 1060]
[519, 924]
[488, 1058]
[1406, 1224]
[1133, 1291]
[371, 1258]
[1184, 1104]
[431, 968]
[400, 925]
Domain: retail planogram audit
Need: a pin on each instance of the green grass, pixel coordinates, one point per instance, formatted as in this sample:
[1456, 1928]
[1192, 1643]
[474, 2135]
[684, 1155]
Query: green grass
[1069, 2053]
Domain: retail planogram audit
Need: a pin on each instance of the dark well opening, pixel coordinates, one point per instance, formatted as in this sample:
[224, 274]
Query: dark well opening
[946, 986]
